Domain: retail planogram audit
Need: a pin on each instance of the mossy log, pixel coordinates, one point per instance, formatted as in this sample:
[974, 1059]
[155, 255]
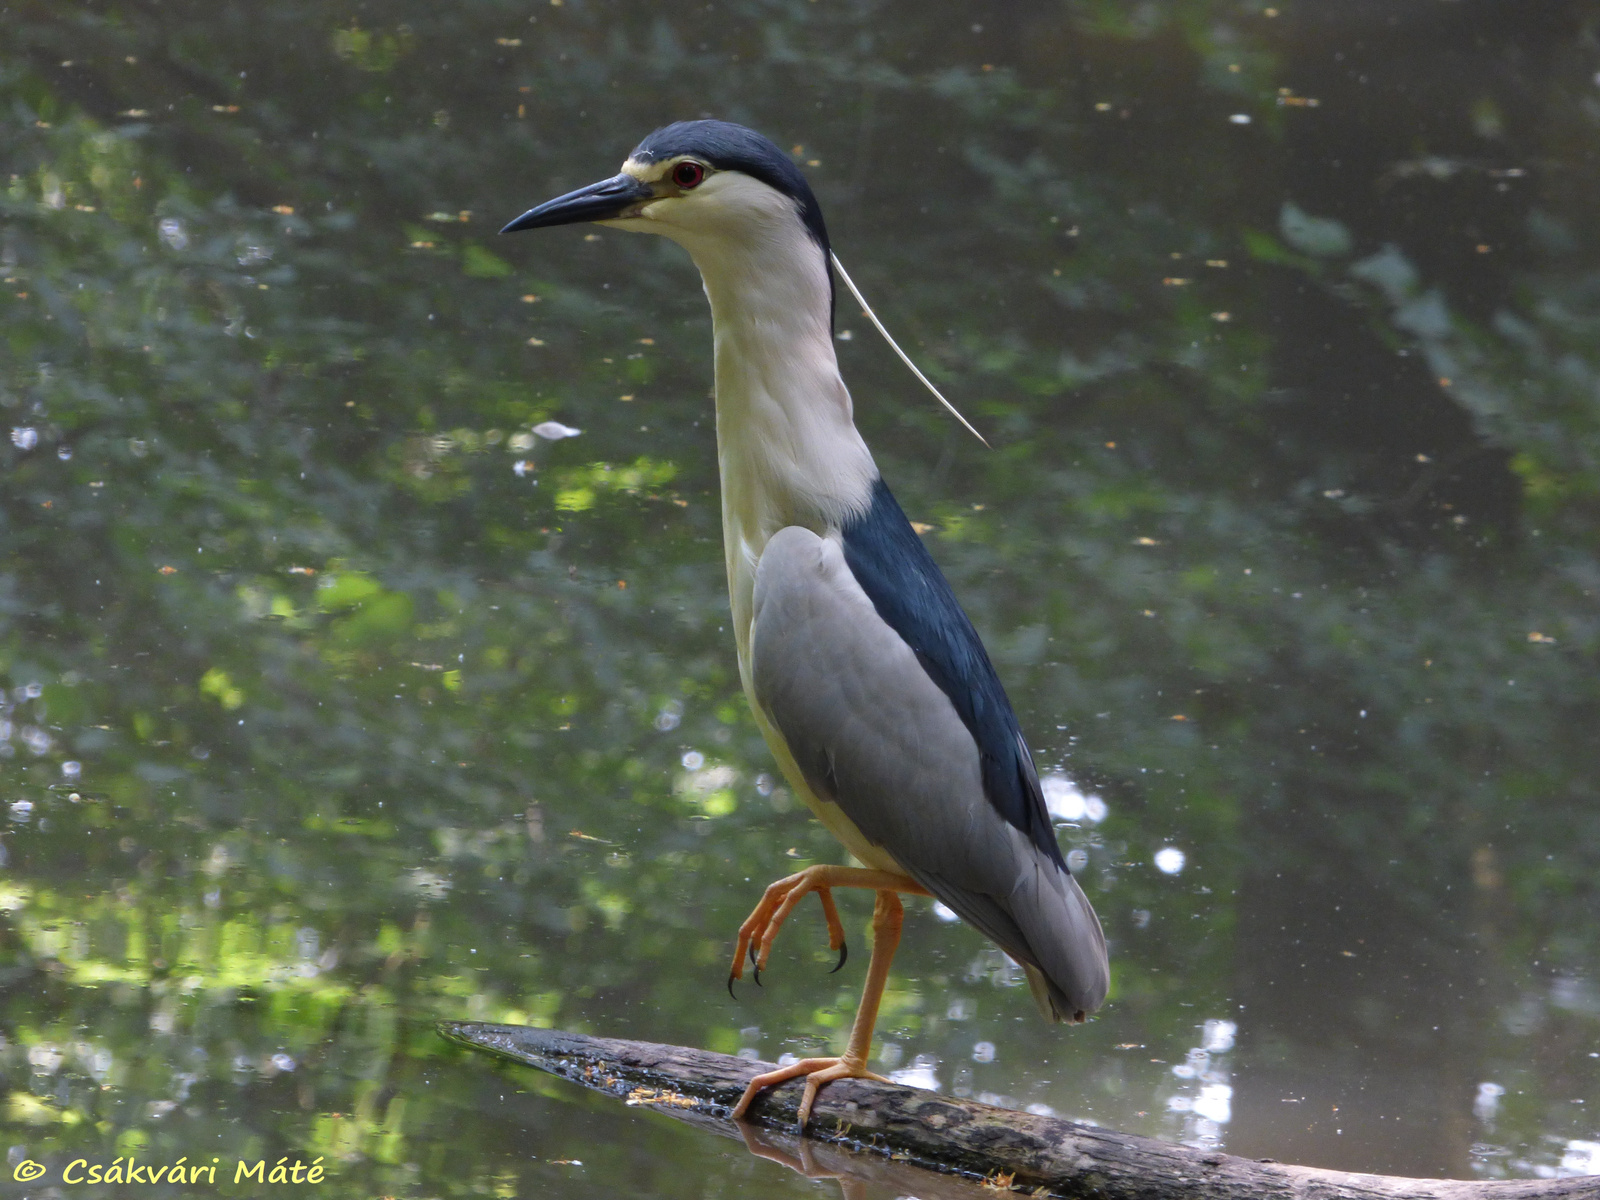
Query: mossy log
[883, 1126]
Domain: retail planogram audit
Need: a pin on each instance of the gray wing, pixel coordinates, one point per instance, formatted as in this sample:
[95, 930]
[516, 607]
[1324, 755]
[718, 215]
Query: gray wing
[874, 734]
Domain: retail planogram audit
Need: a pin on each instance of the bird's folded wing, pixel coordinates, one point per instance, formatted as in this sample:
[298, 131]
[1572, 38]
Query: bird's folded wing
[872, 733]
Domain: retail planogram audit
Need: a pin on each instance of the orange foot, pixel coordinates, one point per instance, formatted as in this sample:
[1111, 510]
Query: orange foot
[817, 1071]
[762, 927]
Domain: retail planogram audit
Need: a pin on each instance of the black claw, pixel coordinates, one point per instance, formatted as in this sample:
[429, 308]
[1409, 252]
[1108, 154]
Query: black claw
[730, 987]
[757, 975]
[752, 953]
[844, 953]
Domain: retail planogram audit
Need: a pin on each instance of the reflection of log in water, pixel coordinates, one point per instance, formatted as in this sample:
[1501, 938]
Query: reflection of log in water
[874, 1132]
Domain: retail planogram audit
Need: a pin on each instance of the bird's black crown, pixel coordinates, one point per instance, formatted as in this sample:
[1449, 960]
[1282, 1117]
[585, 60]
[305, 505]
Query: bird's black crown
[730, 147]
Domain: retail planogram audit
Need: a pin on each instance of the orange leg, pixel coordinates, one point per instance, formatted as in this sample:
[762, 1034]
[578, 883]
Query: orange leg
[762, 927]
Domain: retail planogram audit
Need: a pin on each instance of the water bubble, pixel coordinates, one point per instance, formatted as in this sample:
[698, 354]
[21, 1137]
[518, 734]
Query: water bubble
[1169, 860]
[1218, 1036]
[670, 715]
[24, 437]
[72, 769]
[64, 453]
[983, 1052]
[1094, 808]
[764, 784]
[283, 1062]
[693, 760]
[1077, 860]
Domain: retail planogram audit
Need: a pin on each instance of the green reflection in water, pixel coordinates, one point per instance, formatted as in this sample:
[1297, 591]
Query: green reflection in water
[388, 708]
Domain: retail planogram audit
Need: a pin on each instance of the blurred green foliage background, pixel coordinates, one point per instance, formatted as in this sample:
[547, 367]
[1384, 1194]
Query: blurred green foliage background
[341, 698]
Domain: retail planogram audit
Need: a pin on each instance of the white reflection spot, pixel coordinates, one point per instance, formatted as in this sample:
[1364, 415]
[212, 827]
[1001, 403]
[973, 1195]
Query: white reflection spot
[1580, 1158]
[24, 437]
[554, 431]
[1067, 802]
[1062, 797]
[72, 769]
[283, 1062]
[944, 913]
[1218, 1036]
[920, 1074]
[1077, 860]
[1169, 860]
[1239, 119]
[1487, 1101]
[693, 760]
[1215, 1103]
[171, 231]
[983, 1052]
[429, 883]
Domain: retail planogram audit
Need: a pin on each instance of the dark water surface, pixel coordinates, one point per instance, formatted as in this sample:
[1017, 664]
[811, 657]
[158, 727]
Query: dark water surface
[338, 700]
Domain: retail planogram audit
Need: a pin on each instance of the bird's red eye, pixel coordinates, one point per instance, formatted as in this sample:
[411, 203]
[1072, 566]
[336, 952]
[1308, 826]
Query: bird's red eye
[688, 175]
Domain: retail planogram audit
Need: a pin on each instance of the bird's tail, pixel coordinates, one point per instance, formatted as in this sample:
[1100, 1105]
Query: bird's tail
[1070, 973]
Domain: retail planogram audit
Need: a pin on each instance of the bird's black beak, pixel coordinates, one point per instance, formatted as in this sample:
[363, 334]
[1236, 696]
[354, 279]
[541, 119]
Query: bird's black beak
[603, 201]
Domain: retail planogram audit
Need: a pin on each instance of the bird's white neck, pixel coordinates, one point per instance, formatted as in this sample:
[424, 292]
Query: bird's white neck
[787, 446]
[786, 442]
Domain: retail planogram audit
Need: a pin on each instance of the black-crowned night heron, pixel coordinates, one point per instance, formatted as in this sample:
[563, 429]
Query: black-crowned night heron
[865, 676]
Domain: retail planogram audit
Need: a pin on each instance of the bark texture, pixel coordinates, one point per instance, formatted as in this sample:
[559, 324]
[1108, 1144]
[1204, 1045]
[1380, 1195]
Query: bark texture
[997, 1148]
